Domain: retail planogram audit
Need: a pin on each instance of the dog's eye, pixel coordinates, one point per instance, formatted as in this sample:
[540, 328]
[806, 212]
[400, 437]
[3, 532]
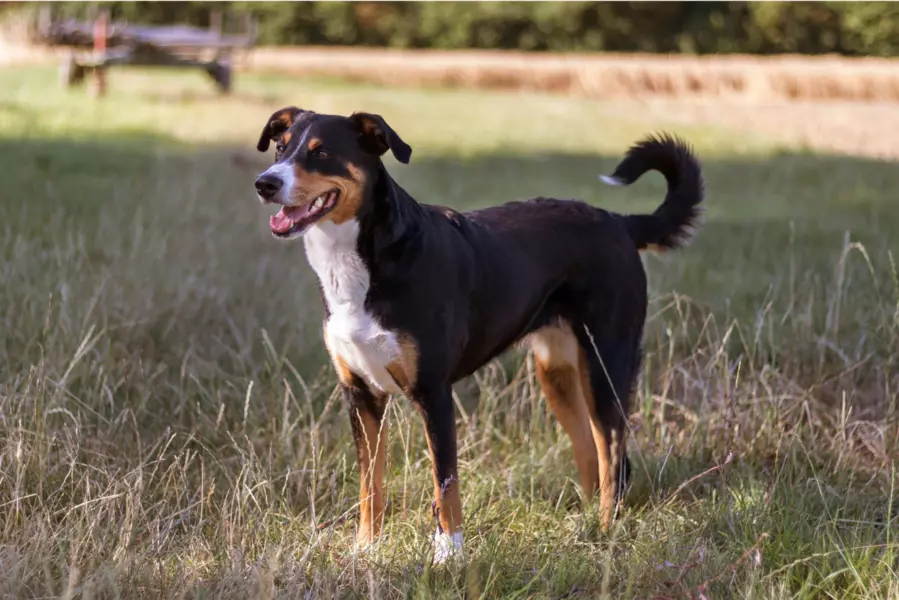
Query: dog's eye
[279, 148]
[320, 153]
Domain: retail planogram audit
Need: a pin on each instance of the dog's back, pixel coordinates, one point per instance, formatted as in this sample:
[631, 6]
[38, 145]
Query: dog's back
[525, 264]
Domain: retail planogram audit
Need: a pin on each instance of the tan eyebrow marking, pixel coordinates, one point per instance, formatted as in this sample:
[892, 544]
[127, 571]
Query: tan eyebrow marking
[313, 144]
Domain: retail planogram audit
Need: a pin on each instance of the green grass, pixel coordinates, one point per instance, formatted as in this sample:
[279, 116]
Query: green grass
[168, 421]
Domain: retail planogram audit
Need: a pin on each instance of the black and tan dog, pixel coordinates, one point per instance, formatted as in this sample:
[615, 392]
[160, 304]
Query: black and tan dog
[418, 296]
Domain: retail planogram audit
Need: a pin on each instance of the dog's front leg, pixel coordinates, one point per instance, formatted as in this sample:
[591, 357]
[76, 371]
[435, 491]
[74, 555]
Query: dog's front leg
[370, 435]
[440, 428]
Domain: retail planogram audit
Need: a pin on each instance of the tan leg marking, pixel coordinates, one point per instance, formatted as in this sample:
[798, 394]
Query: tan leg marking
[371, 456]
[449, 506]
[344, 375]
[556, 358]
[447, 497]
[372, 459]
[608, 450]
[343, 371]
[404, 369]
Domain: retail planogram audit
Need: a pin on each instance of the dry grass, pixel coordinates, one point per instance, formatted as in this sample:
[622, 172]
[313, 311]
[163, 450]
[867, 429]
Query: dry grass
[168, 424]
[601, 75]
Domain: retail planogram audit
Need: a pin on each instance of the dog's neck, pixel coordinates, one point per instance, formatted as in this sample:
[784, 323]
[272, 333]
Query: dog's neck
[386, 231]
[391, 215]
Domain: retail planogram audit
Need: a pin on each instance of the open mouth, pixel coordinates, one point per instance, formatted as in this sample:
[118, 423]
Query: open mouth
[293, 220]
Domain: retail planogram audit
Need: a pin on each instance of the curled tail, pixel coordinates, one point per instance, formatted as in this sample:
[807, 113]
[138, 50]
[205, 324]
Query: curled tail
[672, 223]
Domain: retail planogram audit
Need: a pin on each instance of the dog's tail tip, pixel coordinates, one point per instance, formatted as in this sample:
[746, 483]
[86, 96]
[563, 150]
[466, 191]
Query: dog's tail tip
[613, 181]
[672, 224]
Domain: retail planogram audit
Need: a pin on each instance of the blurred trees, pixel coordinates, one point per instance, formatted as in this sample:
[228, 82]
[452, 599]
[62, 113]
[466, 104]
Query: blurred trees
[858, 28]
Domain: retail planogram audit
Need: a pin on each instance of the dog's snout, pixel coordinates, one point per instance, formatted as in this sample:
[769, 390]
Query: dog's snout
[268, 185]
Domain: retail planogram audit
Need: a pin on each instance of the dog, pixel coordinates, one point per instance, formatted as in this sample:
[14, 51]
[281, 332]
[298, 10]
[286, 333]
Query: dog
[417, 296]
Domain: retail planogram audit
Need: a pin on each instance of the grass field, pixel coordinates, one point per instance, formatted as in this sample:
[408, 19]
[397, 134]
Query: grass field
[168, 421]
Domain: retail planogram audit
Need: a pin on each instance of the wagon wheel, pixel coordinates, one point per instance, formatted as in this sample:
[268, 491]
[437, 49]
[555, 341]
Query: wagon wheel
[70, 72]
[220, 71]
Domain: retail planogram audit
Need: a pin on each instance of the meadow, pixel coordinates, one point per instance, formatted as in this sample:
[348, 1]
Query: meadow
[169, 425]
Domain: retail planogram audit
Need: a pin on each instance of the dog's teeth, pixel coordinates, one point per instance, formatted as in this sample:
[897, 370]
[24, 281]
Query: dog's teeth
[319, 202]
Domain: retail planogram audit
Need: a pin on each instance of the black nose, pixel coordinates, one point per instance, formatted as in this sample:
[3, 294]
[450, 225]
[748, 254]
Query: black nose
[267, 186]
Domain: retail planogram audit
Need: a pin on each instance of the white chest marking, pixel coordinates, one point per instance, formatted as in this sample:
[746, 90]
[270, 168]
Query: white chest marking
[350, 332]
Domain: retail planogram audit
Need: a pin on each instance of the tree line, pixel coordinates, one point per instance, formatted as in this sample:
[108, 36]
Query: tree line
[849, 28]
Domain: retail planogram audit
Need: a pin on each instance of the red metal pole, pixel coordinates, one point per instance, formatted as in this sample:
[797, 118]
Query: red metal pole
[100, 35]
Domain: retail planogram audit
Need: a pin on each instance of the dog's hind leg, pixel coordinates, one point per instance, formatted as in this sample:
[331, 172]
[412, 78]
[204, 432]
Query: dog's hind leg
[556, 359]
[608, 372]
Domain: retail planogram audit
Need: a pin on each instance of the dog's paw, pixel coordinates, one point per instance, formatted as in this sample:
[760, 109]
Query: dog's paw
[365, 548]
[446, 546]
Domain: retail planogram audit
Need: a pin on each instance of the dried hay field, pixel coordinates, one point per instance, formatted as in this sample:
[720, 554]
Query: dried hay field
[825, 102]
[168, 422]
[600, 75]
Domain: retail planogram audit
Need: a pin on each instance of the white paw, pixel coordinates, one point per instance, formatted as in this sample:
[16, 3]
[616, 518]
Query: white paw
[446, 546]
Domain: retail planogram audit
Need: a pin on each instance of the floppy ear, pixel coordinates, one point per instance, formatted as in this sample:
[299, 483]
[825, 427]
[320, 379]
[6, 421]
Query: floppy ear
[277, 124]
[377, 137]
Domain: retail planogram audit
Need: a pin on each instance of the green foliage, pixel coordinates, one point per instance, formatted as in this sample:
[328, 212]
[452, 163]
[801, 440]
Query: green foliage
[856, 28]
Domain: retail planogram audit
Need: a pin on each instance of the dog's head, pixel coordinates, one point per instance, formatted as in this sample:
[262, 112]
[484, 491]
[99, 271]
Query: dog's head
[324, 165]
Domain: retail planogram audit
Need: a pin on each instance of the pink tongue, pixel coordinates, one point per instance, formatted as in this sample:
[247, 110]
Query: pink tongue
[280, 222]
